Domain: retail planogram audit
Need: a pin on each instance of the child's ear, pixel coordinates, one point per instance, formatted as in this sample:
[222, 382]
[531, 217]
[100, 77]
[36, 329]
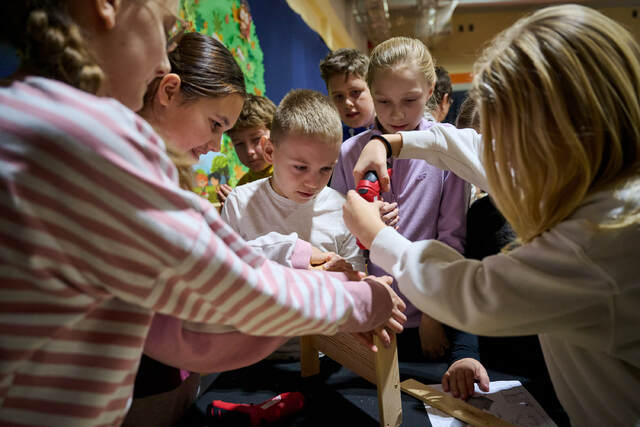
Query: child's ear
[168, 89]
[107, 10]
[267, 148]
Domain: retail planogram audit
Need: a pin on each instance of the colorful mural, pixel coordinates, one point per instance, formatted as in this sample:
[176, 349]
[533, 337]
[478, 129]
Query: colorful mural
[230, 22]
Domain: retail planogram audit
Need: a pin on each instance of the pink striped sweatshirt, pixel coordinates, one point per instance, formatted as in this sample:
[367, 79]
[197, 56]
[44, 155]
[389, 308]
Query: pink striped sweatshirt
[96, 236]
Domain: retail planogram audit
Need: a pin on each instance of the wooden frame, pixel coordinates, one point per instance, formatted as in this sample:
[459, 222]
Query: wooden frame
[379, 368]
[455, 407]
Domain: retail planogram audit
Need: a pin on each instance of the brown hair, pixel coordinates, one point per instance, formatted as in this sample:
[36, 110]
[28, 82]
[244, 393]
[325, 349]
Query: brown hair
[206, 69]
[441, 88]
[468, 116]
[344, 61]
[257, 111]
[49, 42]
[307, 113]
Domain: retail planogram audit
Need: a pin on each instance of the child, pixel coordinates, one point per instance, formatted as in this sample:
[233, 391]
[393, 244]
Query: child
[560, 114]
[97, 234]
[343, 72]
[253, 125]
[303, 148]
[432, 202]
[440, 102]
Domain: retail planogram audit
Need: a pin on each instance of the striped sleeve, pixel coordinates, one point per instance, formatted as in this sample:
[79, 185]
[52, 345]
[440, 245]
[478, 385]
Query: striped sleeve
[98, 194]
[96, 236]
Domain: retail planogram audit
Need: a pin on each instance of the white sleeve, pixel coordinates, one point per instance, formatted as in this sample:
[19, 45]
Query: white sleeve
[540, 287]
[448, 148]
[350, 251]
[276, 247]
[273, 246]
[231, 211]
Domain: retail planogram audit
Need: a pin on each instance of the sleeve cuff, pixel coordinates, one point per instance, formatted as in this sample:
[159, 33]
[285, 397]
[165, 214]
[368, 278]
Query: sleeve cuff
[387, 248]
[301, 257]
[372, 306]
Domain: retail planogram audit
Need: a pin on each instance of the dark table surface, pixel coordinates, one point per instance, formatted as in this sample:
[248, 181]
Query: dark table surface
[335, 397]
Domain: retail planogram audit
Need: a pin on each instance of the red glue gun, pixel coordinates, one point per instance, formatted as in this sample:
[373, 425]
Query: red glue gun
[369, 189]
[222, 413]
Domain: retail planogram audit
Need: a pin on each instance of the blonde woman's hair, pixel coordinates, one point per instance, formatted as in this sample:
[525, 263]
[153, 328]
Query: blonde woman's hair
[305, 112]
[558, 94]
[401, 50]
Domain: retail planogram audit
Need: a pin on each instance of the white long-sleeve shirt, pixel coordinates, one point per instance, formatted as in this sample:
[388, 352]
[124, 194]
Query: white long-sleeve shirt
[255, 209]
[576, 287]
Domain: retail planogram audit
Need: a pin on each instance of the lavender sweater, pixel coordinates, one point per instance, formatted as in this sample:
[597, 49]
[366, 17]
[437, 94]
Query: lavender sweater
[432, 203]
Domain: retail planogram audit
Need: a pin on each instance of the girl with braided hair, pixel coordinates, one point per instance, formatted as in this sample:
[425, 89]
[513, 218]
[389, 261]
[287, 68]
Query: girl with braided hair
[96, 234]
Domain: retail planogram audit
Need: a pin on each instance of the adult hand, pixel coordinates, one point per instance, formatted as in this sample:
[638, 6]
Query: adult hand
[461, 376]
[389, 214]
[374, 157]
[362, 218]
[222, 192]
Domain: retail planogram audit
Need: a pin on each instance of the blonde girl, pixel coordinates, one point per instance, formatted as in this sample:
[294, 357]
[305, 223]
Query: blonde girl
[432, 202]
[560, 154]
[96, 234]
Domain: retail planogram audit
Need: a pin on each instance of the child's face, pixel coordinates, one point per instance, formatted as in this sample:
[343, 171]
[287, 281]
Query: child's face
[302, 166]
[400, 94]
[196, 127]
[352, 98]
[248, 148]
[134, 50]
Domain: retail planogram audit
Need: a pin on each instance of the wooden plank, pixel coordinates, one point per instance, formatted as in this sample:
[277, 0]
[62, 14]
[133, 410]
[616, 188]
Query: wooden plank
[347, 351]
[309, 358]
[455, 407]
[388, 382]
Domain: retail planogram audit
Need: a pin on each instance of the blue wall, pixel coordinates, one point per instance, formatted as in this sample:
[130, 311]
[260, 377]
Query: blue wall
[292, 50]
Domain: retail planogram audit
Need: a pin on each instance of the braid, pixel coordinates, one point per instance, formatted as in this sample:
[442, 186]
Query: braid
[50, 43]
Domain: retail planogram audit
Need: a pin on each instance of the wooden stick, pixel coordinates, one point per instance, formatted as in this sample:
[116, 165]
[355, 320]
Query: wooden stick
[452, 406]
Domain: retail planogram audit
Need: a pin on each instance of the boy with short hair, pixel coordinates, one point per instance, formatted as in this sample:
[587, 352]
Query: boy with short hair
[303, 147]
[344, 71]
[252, 126]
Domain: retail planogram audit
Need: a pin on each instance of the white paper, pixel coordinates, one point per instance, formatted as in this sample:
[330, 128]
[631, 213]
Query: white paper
[507, 400]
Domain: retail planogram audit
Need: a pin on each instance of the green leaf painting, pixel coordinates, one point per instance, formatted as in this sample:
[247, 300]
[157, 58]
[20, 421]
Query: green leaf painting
[230, 22]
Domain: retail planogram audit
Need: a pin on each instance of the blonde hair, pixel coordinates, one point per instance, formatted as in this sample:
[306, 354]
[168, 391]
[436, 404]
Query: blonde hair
[257, 111]
[560, 114]
[401, 50]
[305, 112]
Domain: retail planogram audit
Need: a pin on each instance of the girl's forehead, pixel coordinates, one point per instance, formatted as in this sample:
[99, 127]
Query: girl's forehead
[405, 72]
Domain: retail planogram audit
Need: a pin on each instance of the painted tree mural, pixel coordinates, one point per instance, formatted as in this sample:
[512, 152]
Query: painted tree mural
[230, 22]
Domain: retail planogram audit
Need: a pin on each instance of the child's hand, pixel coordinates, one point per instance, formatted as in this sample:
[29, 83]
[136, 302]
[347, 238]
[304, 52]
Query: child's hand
[330, 261]
[222, 192]
[393, 325]
[433, 340]
[389, 214]
[362, 218]
[374, 157]
[461, 375]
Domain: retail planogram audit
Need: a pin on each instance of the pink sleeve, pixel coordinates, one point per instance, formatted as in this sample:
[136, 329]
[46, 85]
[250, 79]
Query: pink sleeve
[301, 257]
[202, 352]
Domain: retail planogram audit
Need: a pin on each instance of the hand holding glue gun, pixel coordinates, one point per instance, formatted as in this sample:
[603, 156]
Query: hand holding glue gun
[369, 189]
